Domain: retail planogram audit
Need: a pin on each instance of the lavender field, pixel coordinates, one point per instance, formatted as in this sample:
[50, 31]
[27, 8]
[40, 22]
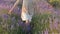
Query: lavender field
[45, 21]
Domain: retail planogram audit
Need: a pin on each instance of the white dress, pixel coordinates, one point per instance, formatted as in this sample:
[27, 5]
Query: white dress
[27, 10]
[26, 16]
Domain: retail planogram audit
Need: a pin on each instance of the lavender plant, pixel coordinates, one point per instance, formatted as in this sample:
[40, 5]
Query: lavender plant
[41, 22]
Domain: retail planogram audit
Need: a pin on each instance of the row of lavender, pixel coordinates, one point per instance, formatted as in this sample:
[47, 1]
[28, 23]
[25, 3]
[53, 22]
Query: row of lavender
[43, 23]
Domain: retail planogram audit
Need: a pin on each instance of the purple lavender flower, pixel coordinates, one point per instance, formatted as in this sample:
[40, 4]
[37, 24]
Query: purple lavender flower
[5, 16]
[29, 28]
[20, 23]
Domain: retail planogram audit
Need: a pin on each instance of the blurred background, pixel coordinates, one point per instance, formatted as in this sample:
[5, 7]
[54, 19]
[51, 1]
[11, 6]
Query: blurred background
[45, 21]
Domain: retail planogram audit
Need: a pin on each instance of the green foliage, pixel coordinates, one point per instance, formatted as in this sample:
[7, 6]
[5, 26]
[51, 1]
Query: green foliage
[3, 11]
[7, 29]
[15, 15]
[0, 19]
[54, 3]
[41, 22]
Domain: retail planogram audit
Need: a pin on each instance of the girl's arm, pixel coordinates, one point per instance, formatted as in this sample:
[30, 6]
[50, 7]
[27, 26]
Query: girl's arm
[16, 3]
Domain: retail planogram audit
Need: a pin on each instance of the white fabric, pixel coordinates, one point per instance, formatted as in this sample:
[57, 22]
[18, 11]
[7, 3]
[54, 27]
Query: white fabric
[26, 16]
[27, 10]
